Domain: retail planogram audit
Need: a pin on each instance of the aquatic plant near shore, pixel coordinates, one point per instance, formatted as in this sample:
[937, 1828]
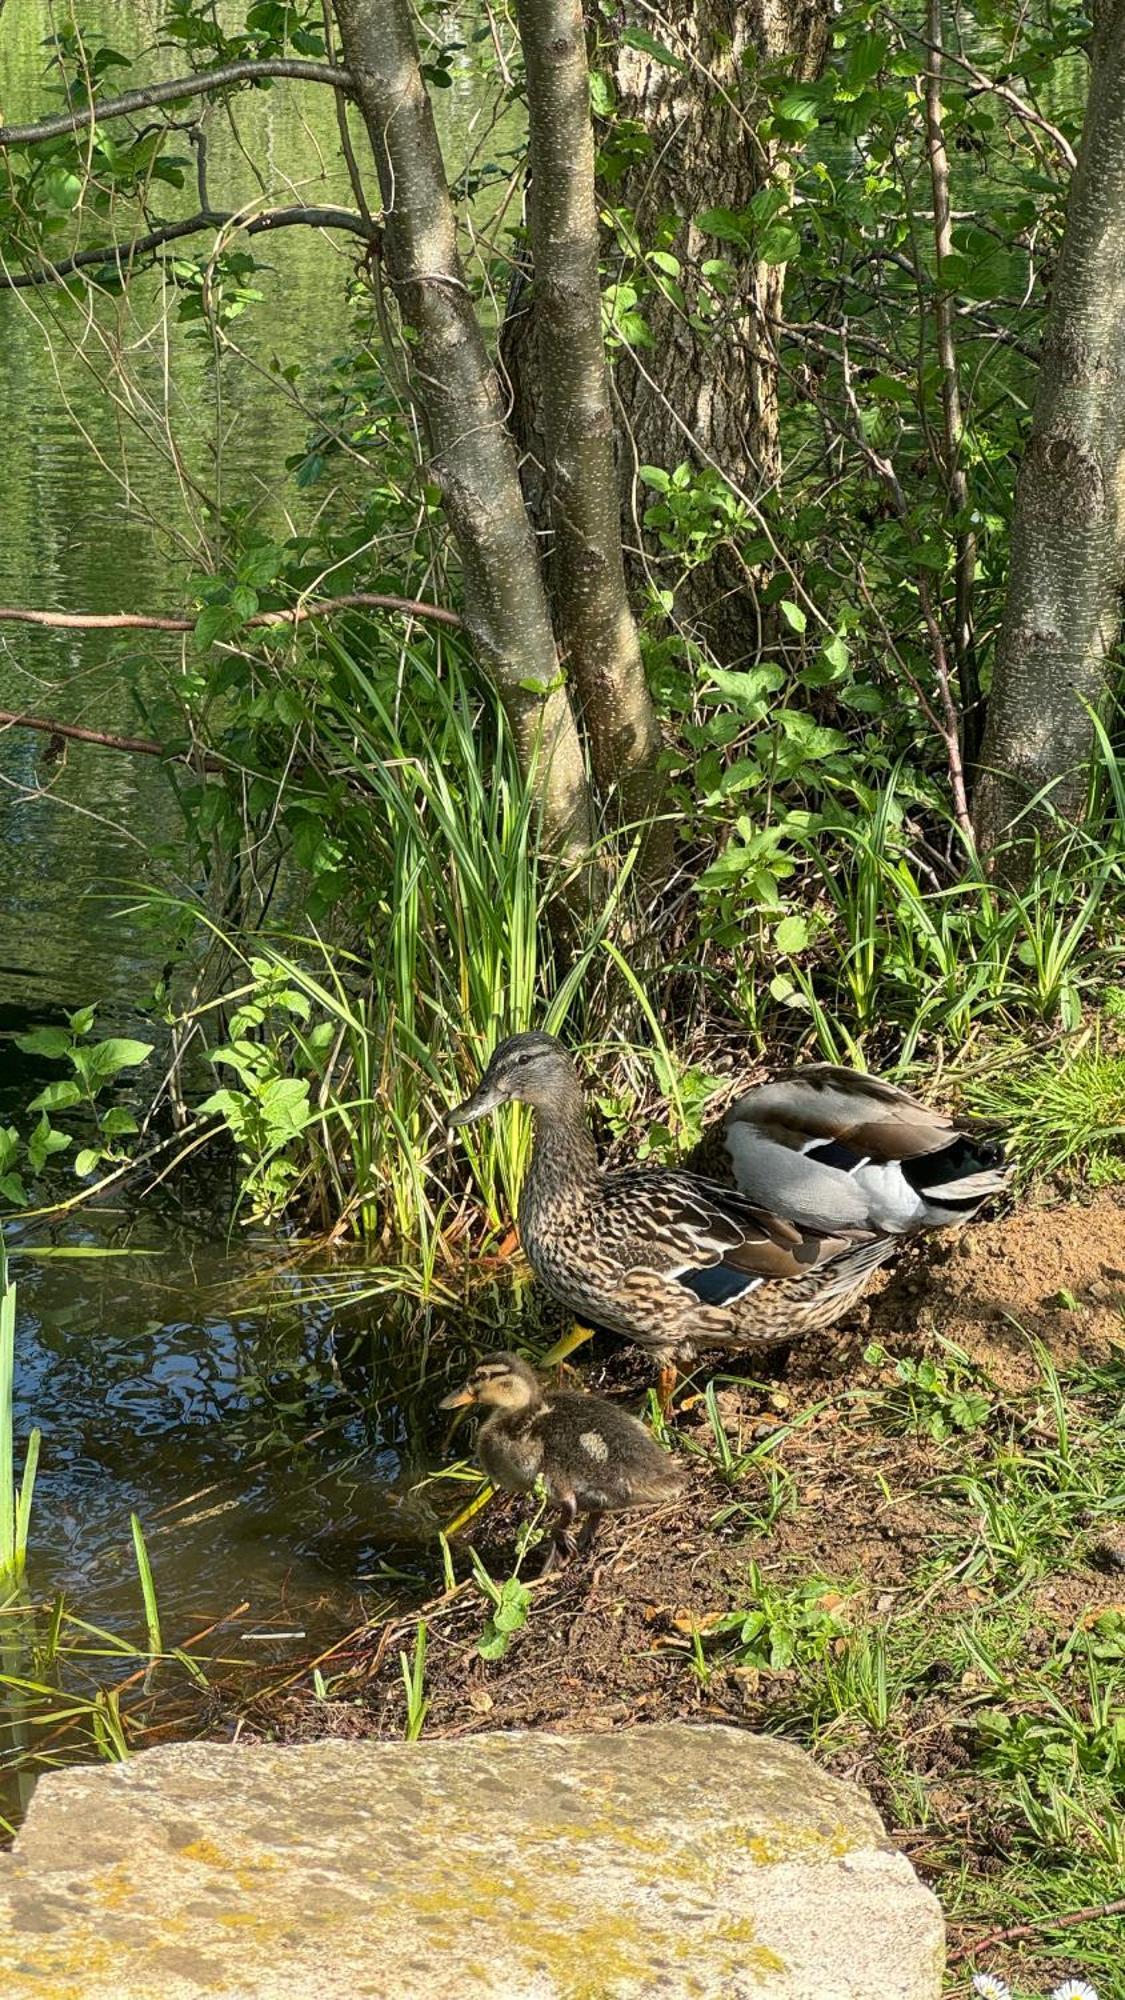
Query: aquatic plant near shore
[15, 1501]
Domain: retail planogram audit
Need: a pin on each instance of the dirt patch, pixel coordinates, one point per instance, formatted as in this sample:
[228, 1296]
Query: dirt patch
[825, 1494]
[1055, 1272]
[609, 1639]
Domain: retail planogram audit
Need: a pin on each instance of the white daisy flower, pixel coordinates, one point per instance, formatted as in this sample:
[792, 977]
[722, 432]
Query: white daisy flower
[992, 1988]
[1074, 1989]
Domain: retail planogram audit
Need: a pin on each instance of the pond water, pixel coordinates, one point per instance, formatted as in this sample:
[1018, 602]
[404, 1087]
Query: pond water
[266, 1429]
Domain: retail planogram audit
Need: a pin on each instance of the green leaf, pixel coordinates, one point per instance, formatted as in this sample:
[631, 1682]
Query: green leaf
[53, 1042]
[43, 1142]
[13, 1190]
[866, 60]
[793, 615]
[779, 243]
[747, 688]
[639, 38]
[215, 621]
[792, 934]
[116, 1122]
[723, 223]
[87, 1160]
[57, 1097]
[105, 1059]
[83, 1020]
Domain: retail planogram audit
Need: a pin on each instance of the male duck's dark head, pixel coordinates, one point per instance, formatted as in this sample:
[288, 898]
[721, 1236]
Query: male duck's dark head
[526, 1069]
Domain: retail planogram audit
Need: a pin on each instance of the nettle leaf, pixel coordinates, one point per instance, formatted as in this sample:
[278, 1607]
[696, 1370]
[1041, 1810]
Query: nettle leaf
[53, 1042]
[57, 1097]
[87, 1160]
[285, 1106]
[83, 1020]
[13, 1190]
[9, 1146]
[793, 615]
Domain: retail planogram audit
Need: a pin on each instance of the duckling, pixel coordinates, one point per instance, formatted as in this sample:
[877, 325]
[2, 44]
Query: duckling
[592, 1457]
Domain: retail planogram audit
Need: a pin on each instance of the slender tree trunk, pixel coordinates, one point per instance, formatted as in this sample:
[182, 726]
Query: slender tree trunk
[596, 628]
[707, 397]
[457, 393]
[1063, 609]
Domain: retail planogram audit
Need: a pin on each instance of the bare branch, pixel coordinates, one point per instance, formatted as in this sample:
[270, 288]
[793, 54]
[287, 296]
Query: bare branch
[123, 255]
[140, 621]
[196, 85]
[984, 82]
[957, 486]
[138, 746]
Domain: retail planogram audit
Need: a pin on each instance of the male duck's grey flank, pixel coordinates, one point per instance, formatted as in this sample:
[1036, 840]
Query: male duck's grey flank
[593, 1458]
[830, 1168]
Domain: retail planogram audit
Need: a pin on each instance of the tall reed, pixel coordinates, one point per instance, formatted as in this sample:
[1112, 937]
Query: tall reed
[15, 1500]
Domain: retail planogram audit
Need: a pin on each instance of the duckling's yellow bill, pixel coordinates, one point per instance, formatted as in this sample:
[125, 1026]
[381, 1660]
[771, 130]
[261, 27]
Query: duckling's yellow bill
[458, 1400]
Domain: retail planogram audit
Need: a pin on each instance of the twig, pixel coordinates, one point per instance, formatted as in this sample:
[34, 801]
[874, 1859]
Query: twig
[1004, 91]
[196, 85]
[949, 725]
[957, 486]
[140, 746]
[123, 255]
[1014, 1931]
[138, 621]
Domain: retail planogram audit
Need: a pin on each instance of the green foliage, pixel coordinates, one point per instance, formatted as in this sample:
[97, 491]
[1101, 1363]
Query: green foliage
[95, 1067]
[782, 1629]
[15, 1499]
[934, 1399]
[413, 1666]
[1064, 1107]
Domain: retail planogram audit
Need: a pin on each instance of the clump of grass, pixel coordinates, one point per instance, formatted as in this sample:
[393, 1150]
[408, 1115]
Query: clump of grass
[1063, 1109]
[15, 1500]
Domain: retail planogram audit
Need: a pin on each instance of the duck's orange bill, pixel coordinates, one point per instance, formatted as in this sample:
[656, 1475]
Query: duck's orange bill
[458, 1400]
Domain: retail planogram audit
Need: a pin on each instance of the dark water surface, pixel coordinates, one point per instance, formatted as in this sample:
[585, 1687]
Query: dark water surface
[258, 1424]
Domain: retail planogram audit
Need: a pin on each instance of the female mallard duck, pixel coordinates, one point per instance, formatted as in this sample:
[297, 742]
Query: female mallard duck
[829, 1168]
[591, 1457]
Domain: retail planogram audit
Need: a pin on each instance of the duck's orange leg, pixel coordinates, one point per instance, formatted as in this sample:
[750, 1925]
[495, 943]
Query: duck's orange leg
[666, 1382]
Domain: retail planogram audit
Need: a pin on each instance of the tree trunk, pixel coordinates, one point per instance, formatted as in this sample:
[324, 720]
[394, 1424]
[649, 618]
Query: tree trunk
[709, 398]
[457, 393]
[1063, 609]
[596, 628]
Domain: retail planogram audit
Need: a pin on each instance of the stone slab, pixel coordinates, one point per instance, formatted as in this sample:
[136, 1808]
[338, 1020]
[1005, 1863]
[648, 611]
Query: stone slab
[675, 1862]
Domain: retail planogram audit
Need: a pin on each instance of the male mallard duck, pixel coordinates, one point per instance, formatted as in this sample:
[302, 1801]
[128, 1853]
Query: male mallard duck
[831, 1168]
[592, 1457]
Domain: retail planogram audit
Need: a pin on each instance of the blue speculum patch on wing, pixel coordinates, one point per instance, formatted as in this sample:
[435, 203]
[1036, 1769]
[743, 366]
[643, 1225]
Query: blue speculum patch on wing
[718, 1284]
[835, 1153]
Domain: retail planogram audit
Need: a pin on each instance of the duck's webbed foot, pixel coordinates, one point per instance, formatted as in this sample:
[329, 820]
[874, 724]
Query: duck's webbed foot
[564, 1542]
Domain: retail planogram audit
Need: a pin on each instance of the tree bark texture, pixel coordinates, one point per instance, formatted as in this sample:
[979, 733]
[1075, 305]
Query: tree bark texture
[458, 396]
[1062, 613]
[595, 624]
[707, 398]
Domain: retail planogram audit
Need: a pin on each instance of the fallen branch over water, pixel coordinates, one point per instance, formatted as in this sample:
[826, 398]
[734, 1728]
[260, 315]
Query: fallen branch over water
[143, 621]
[142, 746]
